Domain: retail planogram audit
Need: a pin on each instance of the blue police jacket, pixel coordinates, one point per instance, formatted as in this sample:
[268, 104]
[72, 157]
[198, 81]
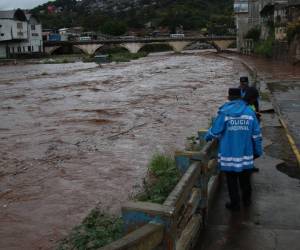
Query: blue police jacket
[239, 134]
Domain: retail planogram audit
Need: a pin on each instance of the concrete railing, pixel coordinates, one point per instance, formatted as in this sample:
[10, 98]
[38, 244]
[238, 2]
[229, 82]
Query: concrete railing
[177, 222]
[143, 40]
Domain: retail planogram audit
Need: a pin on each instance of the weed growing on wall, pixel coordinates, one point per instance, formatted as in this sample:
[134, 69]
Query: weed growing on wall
[97, 230]
[162, 178]
[265, 47]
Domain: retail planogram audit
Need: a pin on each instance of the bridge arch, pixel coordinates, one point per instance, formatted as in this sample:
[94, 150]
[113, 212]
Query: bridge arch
[51, 50]
[111, 49]
[88, 49]
[179, 46]
[132, 47]
[212, 43]
[222, 44]
[156, 47]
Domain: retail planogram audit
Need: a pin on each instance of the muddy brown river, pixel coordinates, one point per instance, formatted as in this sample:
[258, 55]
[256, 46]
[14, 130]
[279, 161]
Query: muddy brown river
[74, 136]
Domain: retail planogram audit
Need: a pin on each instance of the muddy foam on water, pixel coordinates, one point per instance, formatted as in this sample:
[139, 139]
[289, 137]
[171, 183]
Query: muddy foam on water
[75, 136]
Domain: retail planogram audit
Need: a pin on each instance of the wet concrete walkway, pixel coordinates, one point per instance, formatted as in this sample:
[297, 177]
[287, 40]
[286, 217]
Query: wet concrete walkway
[272, 222]
[287, 96]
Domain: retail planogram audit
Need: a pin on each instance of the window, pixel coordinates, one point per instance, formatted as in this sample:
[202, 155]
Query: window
[32, 27]
[0, 25]
[29, 48]
[40, 48]
[241, 7]
[2, 34]
[20, 25]
[23, 49]
[19, 49]
[32, 49]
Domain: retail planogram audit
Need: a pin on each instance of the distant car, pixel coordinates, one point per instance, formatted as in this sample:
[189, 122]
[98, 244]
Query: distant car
[177, 35]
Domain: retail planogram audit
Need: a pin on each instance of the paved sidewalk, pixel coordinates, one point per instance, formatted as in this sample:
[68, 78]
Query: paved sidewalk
[287, 96]
[273, 220]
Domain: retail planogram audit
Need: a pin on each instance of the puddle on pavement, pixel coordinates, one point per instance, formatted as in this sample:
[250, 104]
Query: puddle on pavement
[281, 149]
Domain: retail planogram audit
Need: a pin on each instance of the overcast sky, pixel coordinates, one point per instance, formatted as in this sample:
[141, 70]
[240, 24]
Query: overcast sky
[22, 4]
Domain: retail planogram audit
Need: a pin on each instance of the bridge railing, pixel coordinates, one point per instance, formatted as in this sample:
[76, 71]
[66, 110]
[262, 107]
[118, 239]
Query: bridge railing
[144, 39]
[177, 222]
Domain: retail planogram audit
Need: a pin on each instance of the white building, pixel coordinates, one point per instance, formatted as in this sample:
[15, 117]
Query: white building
[20, 33]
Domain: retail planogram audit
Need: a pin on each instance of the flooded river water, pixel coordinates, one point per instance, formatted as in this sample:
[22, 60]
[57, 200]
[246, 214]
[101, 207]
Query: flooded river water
[74, 136]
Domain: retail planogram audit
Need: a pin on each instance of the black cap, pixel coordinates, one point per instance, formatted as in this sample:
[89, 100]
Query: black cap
[244, 79]
[234, 92]
[251, 94]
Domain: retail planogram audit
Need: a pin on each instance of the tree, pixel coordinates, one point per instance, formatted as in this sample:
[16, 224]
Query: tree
[114, 28]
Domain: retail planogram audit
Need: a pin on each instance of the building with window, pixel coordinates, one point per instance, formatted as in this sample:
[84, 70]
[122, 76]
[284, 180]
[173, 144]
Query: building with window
[241, 10]
[20, 33]
[265, 15]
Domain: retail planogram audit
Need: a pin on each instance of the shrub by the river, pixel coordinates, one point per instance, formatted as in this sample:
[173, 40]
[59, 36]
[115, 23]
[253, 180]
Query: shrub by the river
[253, 34]
[126, 56]
[265, 47]
[162, 178]
[97, 230]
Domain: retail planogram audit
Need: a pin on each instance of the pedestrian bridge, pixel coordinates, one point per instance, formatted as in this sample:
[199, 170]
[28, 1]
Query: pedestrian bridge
[134, 45]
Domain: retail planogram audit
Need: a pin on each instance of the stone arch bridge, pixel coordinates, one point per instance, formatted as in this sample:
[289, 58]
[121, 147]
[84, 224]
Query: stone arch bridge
[134, 45]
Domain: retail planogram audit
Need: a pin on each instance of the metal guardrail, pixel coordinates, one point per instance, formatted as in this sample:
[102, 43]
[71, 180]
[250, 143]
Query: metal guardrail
[176, 223]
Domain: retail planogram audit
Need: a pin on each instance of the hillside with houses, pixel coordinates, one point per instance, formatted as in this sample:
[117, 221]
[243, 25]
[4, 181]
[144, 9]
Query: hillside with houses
[118, 17]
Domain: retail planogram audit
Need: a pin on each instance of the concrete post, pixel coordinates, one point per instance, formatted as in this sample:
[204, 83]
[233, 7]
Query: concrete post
[89, 49]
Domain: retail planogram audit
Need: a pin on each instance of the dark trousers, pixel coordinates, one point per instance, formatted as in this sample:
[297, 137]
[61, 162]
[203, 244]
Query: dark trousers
[243, 179]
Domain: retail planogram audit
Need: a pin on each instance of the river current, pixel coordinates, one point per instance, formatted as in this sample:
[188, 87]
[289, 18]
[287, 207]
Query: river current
[76, 136]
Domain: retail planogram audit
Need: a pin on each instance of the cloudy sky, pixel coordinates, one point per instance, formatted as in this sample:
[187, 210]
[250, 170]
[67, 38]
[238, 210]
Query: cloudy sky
[23, 4]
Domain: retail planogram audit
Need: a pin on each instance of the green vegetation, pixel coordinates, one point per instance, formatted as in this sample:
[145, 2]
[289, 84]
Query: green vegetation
[163, 177]
[96, 230]
[253, 34]
[264, 96]
[191, 144]
[215, 16]
[264, 47]
[114, 28]
[88, 59]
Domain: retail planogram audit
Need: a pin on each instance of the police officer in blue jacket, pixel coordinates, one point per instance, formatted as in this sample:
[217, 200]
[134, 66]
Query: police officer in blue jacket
[240, 141]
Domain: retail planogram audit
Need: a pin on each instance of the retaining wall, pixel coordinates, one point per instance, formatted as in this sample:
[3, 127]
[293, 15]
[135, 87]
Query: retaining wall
[177, 222]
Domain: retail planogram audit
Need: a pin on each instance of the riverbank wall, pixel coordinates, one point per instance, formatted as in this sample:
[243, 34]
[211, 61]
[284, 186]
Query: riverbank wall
[176, 223]
[179, 221]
